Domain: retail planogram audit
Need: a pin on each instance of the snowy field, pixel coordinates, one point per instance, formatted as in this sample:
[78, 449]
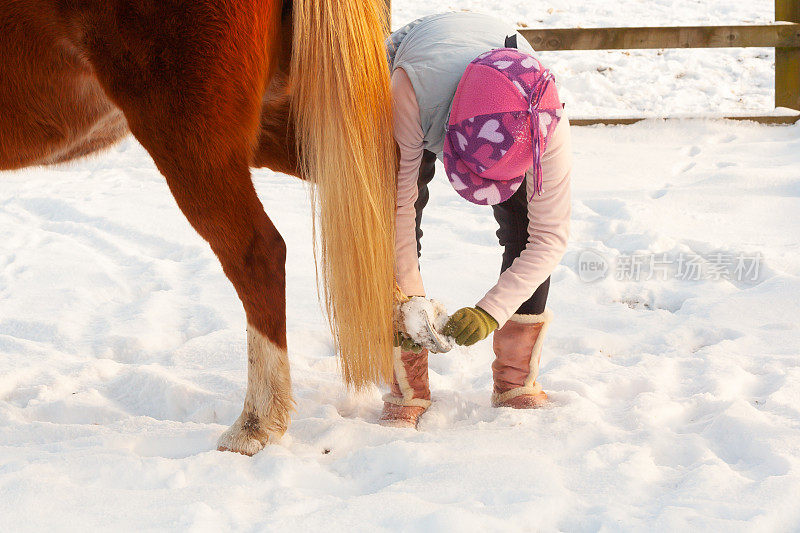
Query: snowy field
[675, 399]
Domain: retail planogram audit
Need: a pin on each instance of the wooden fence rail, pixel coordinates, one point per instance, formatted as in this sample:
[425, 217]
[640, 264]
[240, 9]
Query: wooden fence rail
[783, 35]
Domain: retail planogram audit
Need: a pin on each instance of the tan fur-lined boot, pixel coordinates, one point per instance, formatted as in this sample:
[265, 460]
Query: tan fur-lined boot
[410, 396]
[518, 350]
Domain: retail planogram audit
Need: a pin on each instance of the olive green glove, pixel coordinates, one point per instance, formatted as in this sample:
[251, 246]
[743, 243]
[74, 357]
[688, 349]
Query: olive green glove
[406, 343]
[470, 325]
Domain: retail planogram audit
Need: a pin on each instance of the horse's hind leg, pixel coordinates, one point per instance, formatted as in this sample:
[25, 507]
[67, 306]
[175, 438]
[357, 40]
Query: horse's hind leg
[193, 101]
[216, 194]
[220, 202]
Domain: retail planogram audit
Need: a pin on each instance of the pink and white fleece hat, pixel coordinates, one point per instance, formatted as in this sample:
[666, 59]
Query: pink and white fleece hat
[504, 111]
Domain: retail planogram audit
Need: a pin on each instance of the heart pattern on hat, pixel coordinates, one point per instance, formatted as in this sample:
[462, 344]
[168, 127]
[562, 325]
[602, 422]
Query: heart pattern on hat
[545, 119]
[462, 141]
[490, 132]
[490, 195]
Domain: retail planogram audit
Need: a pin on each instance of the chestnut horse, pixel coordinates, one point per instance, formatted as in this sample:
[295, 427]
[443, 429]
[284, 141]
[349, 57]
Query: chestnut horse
[211, 88]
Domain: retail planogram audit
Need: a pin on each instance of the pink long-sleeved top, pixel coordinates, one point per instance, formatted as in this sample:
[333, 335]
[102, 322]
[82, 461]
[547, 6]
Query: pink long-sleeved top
[548, 213]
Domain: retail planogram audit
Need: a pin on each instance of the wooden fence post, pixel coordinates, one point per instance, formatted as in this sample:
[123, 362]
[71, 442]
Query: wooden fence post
[787, 60]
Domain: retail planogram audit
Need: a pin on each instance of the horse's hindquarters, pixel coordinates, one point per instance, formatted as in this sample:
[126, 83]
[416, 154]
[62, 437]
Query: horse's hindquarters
[190, 77]
[52, 108]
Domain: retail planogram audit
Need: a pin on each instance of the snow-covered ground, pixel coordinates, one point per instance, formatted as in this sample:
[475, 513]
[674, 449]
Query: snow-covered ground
[675, 402]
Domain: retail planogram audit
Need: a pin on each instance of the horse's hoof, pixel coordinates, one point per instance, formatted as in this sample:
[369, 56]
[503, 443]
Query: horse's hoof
[240, 440]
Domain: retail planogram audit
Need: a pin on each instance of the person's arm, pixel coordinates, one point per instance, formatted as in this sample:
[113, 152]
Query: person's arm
[409, 137]
[548, 230]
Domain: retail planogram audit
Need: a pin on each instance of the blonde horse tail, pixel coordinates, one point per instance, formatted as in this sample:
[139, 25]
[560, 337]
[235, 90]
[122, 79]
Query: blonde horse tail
[341, 97]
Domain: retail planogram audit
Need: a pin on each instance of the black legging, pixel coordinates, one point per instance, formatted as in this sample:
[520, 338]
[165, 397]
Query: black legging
[511, 215]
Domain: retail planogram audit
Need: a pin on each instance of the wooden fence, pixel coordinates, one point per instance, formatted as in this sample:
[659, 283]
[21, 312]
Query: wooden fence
[783, 35]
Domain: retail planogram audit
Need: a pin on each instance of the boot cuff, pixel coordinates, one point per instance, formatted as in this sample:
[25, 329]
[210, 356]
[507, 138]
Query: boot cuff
[501, 397]
[545, 317]
[416, 402]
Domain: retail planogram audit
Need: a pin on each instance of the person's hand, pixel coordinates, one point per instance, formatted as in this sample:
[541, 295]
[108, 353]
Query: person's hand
[470, 325]
[405, 343]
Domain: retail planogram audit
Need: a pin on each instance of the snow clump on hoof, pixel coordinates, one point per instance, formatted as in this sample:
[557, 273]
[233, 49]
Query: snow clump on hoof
[423, 321]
